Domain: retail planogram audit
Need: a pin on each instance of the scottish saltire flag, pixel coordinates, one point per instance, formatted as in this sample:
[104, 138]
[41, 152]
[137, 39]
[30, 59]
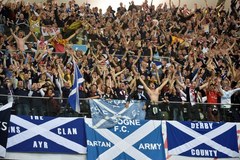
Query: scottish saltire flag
[46, 134]
[202, 139]
[5, 112]
[129, 140]
[106, 113]
[73, 97]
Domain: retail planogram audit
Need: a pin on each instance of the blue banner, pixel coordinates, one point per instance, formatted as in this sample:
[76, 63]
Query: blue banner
[106, 113]
[202, 139]
[46, 134]
[129, 139]
[5, 112]
[77, 47]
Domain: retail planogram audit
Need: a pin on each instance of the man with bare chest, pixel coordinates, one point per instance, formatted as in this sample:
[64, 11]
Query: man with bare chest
[153, 110]
[20, 39]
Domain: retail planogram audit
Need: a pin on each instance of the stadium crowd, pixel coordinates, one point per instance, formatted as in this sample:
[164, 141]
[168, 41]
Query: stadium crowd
[167, 53]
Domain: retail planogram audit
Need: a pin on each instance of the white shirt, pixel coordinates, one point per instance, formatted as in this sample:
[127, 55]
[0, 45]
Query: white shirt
[226, 97]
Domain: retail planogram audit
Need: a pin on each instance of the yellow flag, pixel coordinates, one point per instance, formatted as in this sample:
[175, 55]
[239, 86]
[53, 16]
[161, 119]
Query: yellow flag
[75, 25]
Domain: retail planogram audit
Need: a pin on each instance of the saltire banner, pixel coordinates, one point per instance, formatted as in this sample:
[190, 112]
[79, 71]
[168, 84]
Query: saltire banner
[202, 139]
[46, 134]
[106, 113]
[5, 112]
[129, 139]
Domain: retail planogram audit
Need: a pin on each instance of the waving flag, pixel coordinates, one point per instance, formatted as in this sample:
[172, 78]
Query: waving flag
[106, 113]
[5, 112]
[73, 97]
[129, 139]
[202, 139]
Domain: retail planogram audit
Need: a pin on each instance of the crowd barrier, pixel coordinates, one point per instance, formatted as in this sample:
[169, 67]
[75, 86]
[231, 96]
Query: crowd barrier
[53, 106]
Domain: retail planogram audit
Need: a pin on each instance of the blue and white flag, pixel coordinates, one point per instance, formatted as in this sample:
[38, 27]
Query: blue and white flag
[5, 112]
[129, 139]
[73, 97]
[202, 139]
[106, 113]
[46, 134]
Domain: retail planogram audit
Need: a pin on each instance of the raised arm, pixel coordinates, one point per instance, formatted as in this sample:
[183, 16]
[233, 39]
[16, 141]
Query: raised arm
[181, 84]
[139, 55]
[120, 72]
[206, 3]
[27, 36]
[151, 53]
[162, 85]
[51, 38]
[170, 4]
[144, 84]
[234, 90]
[70, 37]
[204, 85]
[13, 34]
[232, 68]
[34, 36]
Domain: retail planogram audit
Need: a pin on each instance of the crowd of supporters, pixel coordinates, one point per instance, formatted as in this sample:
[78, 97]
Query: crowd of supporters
[166, 53]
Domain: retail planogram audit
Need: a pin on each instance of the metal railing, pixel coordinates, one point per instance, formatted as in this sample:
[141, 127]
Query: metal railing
[181, 111]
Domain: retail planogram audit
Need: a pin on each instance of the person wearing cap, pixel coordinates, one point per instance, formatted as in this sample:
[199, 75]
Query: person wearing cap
[122, 91]
[138, 94]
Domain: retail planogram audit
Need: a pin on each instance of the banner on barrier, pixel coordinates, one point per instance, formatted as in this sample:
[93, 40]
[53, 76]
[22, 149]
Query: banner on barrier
[106, 113]
[46, 134]
[5, 112]
[202, 139]
[129, 139]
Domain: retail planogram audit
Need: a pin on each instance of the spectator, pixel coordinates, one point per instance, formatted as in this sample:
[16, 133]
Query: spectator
[213, 92]
[37, 105]
[20, 39]
[53, 107]
[34, 23]
[59, 43]
[22, 23]
[22, 103]
[153, 111]
[191, 97]
[175, 107]
[227, 92]
[108, 94]
[5, 90]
